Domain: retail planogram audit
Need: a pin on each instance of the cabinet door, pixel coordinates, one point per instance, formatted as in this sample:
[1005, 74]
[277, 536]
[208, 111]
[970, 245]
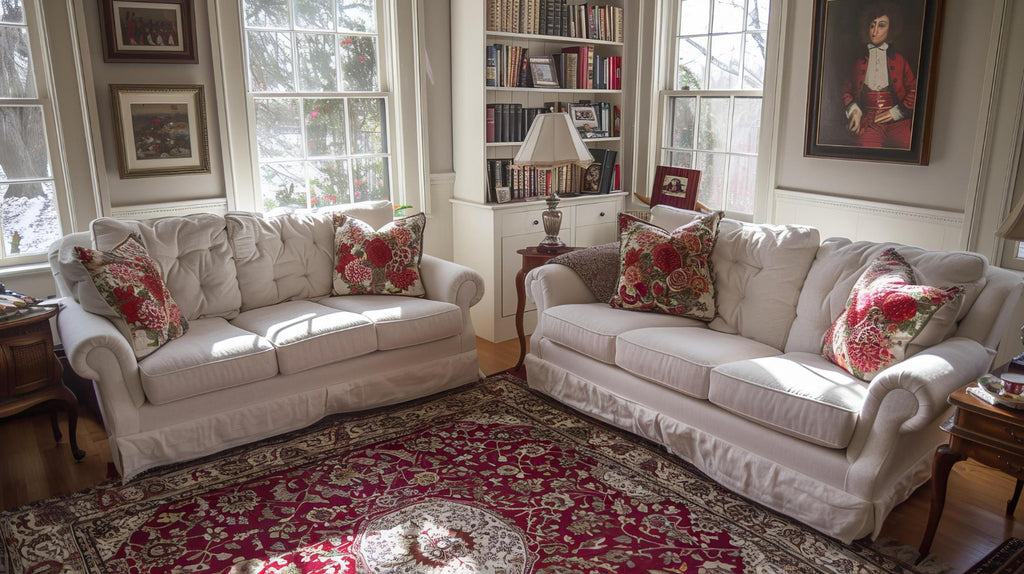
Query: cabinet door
[590, 235]
[511, 263]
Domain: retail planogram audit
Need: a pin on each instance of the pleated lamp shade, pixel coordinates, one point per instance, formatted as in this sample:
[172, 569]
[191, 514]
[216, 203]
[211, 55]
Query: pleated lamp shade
[1013, 226]
[551, 142]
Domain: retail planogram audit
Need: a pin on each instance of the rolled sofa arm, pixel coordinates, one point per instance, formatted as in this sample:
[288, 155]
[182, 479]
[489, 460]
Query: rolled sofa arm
[927, 379]
[553, 285]
[451, 282]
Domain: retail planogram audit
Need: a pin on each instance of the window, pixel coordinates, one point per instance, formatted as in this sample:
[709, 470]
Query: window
[318, 97]
[711, 115]
[30, 217]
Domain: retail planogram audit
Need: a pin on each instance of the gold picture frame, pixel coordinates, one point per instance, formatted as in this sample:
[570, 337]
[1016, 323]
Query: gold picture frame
[160, 129]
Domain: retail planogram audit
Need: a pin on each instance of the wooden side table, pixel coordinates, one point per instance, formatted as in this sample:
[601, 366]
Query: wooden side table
[30, 373]
[991, 435]
[531, 258]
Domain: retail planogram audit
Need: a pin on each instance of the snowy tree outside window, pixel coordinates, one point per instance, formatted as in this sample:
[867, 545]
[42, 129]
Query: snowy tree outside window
[29, 217]
[315, 90]
[712, 109]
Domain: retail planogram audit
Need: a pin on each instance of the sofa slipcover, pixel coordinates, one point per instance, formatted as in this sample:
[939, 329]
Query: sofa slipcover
[402, 321]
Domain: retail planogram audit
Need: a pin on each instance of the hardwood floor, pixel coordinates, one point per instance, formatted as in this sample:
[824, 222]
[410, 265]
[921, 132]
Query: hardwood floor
[33, 467]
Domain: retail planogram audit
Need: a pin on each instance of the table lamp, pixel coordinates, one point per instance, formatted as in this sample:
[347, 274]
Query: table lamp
[1013, 228]
[552, 142]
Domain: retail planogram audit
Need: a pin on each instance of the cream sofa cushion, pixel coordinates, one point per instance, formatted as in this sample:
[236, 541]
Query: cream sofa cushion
[759, 270]
[682, 358]
[402, 321]
[591, 328]
[213, 355]
[281, 258]
[840, 262]
[193, 255]
[376, 213]
[308, 334]
[799, 394]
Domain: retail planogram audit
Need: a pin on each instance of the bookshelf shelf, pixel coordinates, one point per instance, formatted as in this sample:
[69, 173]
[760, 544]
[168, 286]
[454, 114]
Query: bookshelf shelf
[586, 140]
[554, 90]
[560, 39]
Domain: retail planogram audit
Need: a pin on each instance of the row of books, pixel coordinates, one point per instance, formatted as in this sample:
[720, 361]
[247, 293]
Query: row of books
[556, 18]
[510, 122]
[575, 67]
[507, 182]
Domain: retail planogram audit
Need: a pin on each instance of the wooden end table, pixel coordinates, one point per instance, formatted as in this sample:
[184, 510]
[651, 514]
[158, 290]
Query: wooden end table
[531, 258]
[992, 435]
[30, 373]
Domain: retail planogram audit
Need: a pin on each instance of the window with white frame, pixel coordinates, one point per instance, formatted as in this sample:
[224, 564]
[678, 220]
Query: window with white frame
[318, 97]
[711, 113]
[30, 213]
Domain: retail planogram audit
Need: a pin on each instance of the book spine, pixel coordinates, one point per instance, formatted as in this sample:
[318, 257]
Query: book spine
[490, 122]
[590, 67]
[616, 122]
[525, 78]
[492, 62]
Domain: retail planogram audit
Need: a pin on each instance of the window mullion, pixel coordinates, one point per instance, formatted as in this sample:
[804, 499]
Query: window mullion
[348, 152]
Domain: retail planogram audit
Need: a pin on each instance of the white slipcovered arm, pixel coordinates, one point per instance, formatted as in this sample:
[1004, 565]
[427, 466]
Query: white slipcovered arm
[553, 285]
[451, 282]
[927, 378]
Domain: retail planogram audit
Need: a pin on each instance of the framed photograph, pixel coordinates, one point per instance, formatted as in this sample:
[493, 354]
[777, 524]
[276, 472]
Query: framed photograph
[161, 130]
[675, 186]
[154, 31]
[542, 68]
[592, 178]
[584, 117]
[503, 194]
[870, 94]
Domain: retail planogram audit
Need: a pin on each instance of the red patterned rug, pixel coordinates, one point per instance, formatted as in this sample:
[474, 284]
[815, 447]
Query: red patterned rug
[487, 478]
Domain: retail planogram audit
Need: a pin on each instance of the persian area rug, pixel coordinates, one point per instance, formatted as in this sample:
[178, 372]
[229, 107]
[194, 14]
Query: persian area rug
[487, 478]
[1008, 558]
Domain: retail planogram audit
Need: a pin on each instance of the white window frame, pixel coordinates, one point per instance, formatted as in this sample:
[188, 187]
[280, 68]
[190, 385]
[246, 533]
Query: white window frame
[667, 54]
[40, 55]
[397, 36]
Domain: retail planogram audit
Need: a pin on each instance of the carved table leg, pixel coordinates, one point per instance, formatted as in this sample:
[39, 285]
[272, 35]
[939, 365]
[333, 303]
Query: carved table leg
[520, 308]
[54, 425]
[1011, 505]
[942, 464]
[71, 406]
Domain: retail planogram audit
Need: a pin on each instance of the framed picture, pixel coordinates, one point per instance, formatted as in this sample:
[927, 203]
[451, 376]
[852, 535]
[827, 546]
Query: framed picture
[161, 130]
[592, 178]
[675, 186]
[584, 117]
[870, 94]
[542, 68]
[155, 31]
[503, 194]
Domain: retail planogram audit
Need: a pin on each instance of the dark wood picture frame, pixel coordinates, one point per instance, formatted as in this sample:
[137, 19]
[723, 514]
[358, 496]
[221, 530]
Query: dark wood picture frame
[160, 129]
[149, 31]
[542, 70]
[841, 108]
[676, 187]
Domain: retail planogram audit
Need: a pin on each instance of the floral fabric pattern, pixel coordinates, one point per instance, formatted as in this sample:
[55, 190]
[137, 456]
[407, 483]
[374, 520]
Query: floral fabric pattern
[131, 283]
[489, 478]
[885, 311]
[667, 272]
[382, 262]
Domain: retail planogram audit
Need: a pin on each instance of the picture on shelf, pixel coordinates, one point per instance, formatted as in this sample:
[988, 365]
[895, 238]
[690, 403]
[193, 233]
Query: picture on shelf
[585, 118]
[543, 70]
[675, 186]
[592, 178]
[503, 194]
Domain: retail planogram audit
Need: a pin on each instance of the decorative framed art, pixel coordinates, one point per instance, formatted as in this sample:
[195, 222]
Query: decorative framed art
[161, 129]
[675, 186]
[871, 94]
[584, 117]
[153, 31]
[542, 68]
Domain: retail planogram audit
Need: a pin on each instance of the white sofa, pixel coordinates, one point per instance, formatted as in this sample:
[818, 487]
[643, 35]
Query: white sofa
[268, 350]
[749, 399]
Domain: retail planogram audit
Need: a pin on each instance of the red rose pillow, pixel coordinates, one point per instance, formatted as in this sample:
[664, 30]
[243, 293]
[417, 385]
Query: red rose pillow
[884, 313]
[130, 282]
[667, 272]
[382, 262]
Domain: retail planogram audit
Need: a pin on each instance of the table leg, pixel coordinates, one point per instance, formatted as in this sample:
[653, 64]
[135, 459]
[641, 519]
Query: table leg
[520, 308]
[1011, 505]
[71, 406]
[942, 464]
[54, 425]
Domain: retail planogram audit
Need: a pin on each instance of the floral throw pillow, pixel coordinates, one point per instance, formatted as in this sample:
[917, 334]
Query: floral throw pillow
[667, 272]
[884, 313]
[382, 262]
[130, 282]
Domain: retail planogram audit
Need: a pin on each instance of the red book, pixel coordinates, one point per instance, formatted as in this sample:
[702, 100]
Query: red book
[490, 122]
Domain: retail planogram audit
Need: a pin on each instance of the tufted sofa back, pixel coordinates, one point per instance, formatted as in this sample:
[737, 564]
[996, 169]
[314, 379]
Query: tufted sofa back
[759, 270]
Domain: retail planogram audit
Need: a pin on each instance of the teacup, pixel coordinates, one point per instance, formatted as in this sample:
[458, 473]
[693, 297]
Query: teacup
[1013, 383]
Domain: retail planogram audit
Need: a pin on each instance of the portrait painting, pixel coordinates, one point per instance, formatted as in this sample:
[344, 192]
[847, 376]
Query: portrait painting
[675, 186]
[161, 130]
[870, 94]
[155, 31]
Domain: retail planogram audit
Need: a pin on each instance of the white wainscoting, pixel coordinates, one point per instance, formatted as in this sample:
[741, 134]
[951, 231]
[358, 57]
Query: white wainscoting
[170, 209]
[862, 220]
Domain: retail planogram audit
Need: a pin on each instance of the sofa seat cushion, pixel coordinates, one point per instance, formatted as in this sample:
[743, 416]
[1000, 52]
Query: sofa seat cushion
[682, 358]
[308, 335]
[591, 328]
[213, 355]
[799, 394]
[403, 321]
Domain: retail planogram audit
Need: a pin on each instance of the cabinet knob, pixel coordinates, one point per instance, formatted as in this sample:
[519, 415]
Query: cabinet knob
[536, 222]
[600, 214]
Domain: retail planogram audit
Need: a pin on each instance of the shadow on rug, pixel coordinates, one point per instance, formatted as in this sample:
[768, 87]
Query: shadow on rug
[487, 478]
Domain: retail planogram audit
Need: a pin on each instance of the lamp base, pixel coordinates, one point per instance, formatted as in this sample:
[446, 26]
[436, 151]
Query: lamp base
[550, 248]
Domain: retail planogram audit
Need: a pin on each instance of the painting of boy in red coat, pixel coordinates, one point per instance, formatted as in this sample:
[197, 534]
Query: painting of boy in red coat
[880, 91]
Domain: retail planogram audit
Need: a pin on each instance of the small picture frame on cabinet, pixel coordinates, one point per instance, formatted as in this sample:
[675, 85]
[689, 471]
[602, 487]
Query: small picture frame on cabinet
[503, 194]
